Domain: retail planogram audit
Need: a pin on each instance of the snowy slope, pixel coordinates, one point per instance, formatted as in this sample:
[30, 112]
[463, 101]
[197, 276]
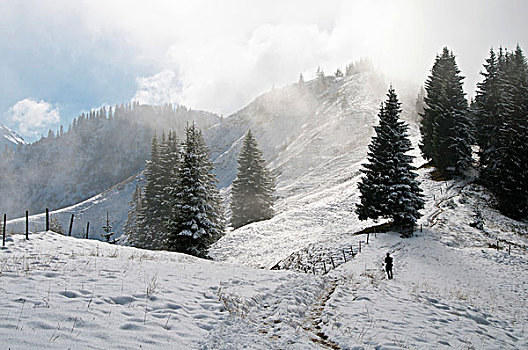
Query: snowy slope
[63, 292]
[313, 140]
[114, 201]
[9, 138]
[451, 290]
[318, 169]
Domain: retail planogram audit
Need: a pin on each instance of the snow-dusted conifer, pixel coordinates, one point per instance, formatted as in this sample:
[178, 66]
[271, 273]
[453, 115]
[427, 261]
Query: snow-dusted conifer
[150, 218]
[171, 162]
[389, 188]
[320, 81]
[446, 128]
[252, 191]
[502, 114]
[513, 162]
[197, 215]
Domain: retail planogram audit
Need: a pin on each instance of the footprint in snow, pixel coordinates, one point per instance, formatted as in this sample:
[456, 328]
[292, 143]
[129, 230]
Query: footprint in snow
[172, 306]
[69, 294]
[130, 327]
[122, 300]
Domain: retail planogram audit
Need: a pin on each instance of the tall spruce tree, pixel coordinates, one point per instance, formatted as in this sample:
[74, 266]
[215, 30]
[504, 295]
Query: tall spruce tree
[502, 114]
[446, 127]
[389, 188]
[513, 196]
[196, 215]
[169, 160]
[252, 191]
[150, 215]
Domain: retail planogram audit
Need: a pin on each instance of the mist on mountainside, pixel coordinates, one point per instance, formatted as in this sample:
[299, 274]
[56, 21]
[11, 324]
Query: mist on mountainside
[303, 128]
[98, 150]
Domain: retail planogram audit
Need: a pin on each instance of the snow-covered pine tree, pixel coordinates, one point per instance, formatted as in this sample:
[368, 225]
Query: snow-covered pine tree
[487, 108]
[197, 216]
[171, 166]
[502, 112]
[446, 128]
[216, 208]
[513, 194]
[151, 210]
[107, 229]
[253, 188]
[389, 188]
[320, 81]
[169, 163]
[301, 81]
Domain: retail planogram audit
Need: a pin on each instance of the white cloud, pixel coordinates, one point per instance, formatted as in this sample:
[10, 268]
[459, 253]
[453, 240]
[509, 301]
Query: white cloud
[220, 59]
[157, 89]
[218, 55]
[33, 118]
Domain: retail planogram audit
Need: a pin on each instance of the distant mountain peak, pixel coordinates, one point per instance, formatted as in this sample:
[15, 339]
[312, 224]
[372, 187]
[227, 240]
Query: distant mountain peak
[9, 138]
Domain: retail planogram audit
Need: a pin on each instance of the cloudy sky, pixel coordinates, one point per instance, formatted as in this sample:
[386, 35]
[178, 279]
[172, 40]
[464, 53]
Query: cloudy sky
[59, 58]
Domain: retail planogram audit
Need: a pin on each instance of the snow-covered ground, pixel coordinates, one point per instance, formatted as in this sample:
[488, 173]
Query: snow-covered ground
[93, 211]
[450, 290]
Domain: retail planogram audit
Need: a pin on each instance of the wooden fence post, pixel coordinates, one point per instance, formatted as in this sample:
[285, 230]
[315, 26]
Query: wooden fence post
[498, 245]
[359, 247]
[71, 225]
[332, 260]
[47, 219]
[87, 229]
[313, 269]
[509, 248]
[344, 255]
[368, 234]
[352, 251]
[27, 225]
[324, 266]
[4, 230]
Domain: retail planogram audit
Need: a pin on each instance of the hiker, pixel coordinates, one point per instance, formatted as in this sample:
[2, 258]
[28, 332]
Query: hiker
[388, 265]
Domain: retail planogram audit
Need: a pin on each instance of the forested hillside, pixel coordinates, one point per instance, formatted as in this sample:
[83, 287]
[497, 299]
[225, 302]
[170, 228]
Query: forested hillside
[98, 150]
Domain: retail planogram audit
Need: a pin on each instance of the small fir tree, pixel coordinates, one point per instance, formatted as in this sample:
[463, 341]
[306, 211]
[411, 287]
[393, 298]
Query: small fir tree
[252, 191]
[107, 229]
[389, 188]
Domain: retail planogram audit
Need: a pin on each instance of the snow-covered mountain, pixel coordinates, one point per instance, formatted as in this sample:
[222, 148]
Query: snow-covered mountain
[9, 138]
[460, 282]
[313, 137]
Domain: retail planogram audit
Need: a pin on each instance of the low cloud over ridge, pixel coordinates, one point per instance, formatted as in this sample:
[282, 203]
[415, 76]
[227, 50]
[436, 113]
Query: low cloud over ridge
[32, 117]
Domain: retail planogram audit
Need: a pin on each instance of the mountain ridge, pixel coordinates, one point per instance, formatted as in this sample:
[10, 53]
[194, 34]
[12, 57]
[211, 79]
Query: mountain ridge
[304, 130]
[9, 139]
